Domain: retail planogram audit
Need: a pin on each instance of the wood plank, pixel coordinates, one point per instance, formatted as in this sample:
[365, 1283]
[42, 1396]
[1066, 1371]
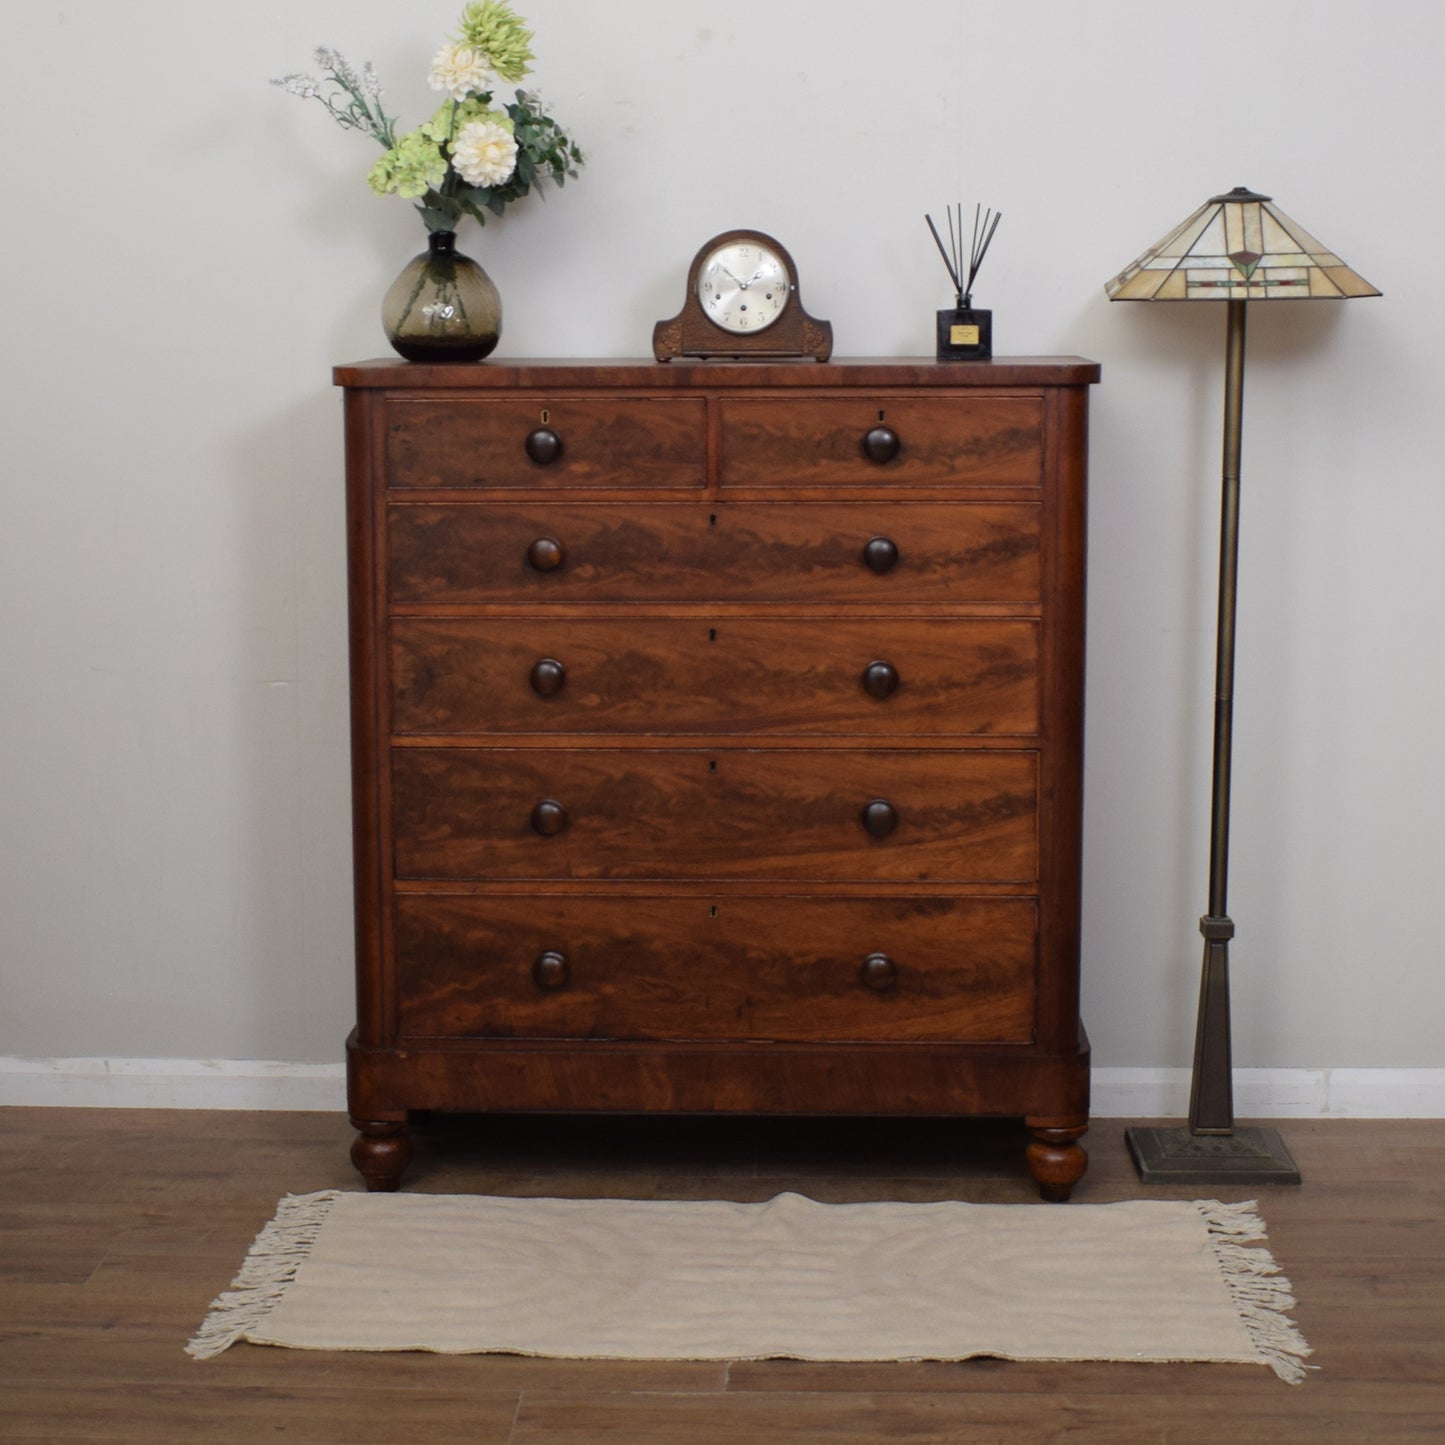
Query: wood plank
[945, 1419]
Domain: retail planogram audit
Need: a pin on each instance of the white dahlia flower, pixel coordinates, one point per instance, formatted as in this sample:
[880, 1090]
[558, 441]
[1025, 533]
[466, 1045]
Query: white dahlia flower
[484, 153]
[459, 70]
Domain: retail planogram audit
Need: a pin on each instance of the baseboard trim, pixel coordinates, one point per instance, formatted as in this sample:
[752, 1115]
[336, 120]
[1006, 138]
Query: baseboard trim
[1277, 1093]
[1117, 1093]
[172, 1084]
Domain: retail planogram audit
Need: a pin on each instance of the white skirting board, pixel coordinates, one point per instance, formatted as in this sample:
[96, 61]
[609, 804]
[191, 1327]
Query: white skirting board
[1117, 1092]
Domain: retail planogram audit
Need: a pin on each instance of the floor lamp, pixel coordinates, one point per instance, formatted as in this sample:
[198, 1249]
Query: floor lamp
[1236, 248]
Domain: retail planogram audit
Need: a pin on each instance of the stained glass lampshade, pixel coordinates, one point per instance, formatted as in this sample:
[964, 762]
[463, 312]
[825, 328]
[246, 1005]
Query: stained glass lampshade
[1238, 247]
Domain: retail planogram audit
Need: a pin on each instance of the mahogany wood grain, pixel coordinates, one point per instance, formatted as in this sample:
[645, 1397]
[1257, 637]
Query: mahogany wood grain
[602, 442]
[762, 676]
[717, 813]
[911, 1078]
[460, 553]
[803, 441]
[775, 968]
[1061, 784]
[844, 374]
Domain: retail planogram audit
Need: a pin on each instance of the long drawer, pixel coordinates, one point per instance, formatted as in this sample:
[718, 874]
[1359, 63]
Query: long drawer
[728, 967]
[872, 552]
[847, 815]
[676, 675]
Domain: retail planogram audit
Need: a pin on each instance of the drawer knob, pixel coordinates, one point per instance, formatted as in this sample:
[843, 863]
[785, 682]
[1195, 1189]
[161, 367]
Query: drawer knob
[544, 446]
[881, 554]
[548, 675]
[879, 973]
[880, 817]
[546, 554]
[880, 444]
[549, 817]
[880, 679]
[550, 970]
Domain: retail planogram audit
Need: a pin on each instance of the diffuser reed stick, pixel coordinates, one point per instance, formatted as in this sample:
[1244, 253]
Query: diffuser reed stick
[985, 223]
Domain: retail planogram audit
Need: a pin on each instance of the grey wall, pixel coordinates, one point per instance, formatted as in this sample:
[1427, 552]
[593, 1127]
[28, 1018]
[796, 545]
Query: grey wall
[188, 251]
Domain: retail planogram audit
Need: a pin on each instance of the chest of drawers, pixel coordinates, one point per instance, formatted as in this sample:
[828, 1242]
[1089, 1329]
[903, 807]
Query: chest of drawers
[717, 740]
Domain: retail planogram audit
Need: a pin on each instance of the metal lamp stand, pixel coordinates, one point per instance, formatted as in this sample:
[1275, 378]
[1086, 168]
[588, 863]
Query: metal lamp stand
[1211, 1150]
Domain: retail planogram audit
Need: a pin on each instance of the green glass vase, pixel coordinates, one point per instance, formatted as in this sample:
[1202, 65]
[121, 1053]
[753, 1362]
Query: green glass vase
[443, 306]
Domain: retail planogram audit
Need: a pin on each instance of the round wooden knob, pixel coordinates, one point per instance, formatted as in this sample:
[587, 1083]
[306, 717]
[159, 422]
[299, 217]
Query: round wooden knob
[880, 554]
[547, 676]
[544, 446]
[880, 444]
[880, 817]
[549, 817]
[880, 679]
[550, 970]
[546, 554]
[879, 973]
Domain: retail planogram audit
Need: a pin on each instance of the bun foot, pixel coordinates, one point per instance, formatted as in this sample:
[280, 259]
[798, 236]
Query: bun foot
[1055, 1157]
[381, 1151]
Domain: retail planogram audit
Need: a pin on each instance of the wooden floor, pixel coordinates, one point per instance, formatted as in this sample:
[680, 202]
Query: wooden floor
[117, 1227]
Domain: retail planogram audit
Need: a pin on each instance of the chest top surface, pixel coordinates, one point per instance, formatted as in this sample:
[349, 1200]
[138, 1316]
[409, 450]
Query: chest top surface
[918, 371]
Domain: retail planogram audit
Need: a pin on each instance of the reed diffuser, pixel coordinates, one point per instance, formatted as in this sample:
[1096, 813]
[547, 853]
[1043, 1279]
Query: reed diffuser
[963, 333]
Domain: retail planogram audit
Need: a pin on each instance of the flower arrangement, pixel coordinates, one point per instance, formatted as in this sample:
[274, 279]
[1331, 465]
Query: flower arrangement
[472, 157]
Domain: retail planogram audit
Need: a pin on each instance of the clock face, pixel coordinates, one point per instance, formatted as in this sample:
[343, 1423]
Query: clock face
[743, 286]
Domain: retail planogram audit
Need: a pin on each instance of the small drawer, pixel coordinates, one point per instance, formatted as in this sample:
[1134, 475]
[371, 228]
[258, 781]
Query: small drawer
[596, 813]
[734, 968]
[474, 552]
[841, 441]
[767, 675]
[547, 443]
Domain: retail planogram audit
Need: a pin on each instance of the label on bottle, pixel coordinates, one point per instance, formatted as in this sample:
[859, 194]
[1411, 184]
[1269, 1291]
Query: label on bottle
[963, 335]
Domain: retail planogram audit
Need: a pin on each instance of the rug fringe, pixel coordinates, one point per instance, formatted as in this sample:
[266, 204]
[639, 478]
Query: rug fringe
[1260, 1292]
[270, 1265]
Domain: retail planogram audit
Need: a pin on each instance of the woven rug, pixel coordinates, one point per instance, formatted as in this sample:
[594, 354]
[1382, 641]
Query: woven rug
[792, 1278]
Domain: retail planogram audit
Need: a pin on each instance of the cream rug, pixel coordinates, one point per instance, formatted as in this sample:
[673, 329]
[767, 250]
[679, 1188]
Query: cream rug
[792, 1278]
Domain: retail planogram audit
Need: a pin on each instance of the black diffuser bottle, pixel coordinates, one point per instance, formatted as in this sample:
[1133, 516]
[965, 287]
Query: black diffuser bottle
[965, 334]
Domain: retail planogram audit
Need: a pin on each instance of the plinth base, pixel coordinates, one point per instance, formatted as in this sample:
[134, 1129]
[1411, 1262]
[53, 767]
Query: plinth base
[1175, 1156]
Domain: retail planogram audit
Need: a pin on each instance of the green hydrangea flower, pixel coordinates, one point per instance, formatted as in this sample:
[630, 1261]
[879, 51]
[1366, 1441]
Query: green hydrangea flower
[412, 167]
[494, 27]
[451, 117]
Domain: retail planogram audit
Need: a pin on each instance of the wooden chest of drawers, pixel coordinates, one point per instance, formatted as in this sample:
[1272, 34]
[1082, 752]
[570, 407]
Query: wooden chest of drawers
[717, 739]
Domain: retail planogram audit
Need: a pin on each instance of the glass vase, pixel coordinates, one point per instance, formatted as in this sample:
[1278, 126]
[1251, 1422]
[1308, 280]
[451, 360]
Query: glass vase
[443, 306]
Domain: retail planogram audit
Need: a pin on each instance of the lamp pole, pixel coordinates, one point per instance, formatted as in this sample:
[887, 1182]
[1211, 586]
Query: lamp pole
[1212, 1149]
[1211, 1095]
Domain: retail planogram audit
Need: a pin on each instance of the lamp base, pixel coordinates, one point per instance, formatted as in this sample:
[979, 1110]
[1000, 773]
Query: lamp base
[1175, 1156]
